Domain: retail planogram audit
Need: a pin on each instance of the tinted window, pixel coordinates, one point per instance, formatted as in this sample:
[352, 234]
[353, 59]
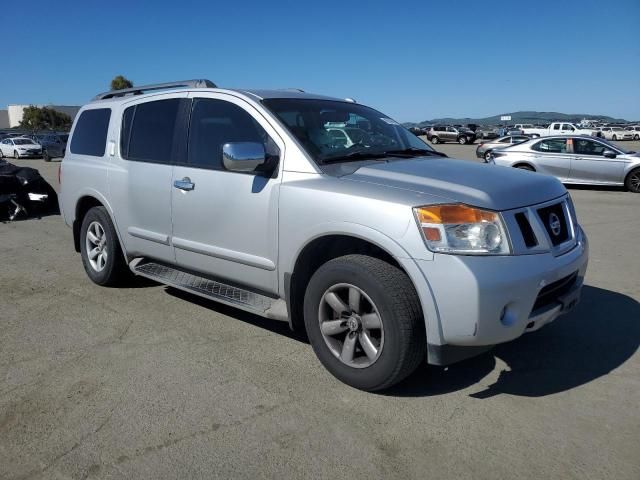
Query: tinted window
[556, 127]
[90, 133]
[554, 145]
[153, 130]
[216, 122]
[583, 146]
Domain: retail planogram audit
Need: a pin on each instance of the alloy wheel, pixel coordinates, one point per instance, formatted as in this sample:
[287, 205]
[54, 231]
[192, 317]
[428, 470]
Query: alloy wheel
[634, 181]
[351, 325]
[96, 246]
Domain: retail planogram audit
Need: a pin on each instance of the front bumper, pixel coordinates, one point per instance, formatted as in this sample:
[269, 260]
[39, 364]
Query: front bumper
[30, 154]
[483, 300]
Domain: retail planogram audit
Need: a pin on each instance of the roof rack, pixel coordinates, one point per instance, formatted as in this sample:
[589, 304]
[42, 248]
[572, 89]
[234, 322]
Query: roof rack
[293, 89]
[203, 83]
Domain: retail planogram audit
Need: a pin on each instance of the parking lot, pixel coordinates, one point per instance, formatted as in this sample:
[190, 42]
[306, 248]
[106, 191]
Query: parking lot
[149, 381]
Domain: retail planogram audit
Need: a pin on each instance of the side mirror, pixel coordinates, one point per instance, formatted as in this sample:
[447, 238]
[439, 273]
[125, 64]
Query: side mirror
[609, 154]
[243, 156]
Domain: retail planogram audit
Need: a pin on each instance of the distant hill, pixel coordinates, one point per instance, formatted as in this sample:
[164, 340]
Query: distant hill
[520, 117]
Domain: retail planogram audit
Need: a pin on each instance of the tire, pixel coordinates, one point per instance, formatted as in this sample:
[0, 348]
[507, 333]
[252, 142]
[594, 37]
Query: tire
[16, 155]
[45, 156]
[636, 137]
[632, 182]
[528, 168]
[113, 268]
[1, 153]
[435, 140]
[614, 138]
[399, 344]
[462, 140]
[487, 155]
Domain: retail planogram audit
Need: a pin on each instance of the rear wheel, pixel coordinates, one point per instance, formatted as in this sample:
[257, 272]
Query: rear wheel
[102, 256]
[435, 140]
[45, 156]
[462, 140]
[364, 321]
[487, 155]
[632, 182]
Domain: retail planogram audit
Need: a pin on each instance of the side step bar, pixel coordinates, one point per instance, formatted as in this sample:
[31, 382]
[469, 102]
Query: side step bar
[247, 300]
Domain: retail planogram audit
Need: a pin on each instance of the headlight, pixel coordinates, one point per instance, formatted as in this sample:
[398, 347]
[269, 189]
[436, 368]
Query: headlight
[462, 229]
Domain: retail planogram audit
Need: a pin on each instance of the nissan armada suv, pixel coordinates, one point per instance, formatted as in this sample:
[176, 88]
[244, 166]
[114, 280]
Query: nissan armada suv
[381, 251]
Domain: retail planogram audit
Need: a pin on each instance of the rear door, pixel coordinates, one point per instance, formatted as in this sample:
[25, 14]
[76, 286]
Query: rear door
[151, 135]
[551, 156]
[589, 165]
[226, 223]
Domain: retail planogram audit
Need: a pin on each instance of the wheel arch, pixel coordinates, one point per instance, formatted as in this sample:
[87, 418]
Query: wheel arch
[324, 247]
[524, 164]
[83, 205]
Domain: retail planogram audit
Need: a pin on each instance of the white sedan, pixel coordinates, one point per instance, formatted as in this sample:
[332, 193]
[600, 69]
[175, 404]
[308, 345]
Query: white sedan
[616, 133]
[20, 147]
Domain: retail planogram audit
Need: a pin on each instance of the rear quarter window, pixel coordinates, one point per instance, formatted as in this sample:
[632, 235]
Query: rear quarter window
[90, 134]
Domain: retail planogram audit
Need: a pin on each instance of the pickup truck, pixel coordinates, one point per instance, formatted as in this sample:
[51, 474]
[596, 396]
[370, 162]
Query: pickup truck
[556, 128]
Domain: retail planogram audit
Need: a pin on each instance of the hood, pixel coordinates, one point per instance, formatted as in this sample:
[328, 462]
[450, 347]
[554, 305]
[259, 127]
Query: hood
[461, 181]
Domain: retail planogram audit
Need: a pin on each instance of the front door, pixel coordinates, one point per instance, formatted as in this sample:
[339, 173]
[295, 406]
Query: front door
[589, 165]
[225, 224]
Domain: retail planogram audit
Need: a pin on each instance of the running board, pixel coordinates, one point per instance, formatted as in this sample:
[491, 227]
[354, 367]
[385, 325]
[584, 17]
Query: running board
[247, 300]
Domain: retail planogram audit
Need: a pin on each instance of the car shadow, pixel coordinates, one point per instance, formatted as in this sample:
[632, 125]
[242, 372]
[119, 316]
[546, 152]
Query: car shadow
[601, 334]
[597, 188]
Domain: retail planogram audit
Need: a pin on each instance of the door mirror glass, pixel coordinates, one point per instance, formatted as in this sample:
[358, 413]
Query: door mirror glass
[609, 154]
[243, 156]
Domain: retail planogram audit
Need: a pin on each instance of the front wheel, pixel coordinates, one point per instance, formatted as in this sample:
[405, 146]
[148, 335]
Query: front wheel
[614, 138]
[364, 321]
[102, 256]
[45, 156]
[632, 182]
[435, 140]
[636, 137]
[525, 167]
[16, 155]
[462, 140]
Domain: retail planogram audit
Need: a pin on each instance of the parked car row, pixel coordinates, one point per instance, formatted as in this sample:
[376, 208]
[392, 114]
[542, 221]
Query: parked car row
[45, 145]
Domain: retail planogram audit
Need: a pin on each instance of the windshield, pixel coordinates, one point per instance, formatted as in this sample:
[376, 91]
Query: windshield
[23, 141]
[333, 130]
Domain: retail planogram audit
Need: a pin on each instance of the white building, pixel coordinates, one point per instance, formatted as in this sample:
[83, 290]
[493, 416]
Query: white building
[14, 112]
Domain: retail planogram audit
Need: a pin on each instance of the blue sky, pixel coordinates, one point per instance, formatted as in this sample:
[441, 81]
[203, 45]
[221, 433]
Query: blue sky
[412, 60]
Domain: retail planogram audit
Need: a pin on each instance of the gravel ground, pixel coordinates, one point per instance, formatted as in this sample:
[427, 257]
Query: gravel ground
[149, 382]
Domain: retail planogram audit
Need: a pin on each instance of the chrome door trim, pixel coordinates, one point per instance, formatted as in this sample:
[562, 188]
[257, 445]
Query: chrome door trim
[148, 235]
[223, 253]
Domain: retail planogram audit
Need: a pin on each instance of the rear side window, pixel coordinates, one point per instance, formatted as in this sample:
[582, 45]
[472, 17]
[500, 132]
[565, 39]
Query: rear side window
[150, 131]
[554, 145]
[90, 133]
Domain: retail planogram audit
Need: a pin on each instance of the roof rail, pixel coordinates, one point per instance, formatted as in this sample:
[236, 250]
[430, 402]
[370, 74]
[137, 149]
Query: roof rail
[293, 89]
[203, 83]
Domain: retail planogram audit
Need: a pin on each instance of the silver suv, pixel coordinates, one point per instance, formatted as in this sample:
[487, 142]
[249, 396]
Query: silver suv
[379, 249]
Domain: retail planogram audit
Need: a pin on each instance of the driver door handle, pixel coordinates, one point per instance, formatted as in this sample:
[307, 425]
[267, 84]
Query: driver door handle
[184, 184]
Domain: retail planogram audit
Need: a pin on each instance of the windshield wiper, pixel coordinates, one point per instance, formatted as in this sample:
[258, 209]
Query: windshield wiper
[365, 155]
[413, 152]
[353, 156]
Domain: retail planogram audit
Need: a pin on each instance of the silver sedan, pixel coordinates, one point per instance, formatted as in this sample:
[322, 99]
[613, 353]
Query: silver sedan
[574, 159]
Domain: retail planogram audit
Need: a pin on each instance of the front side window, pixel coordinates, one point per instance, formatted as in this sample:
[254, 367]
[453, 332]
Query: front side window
[554, 145]
[90, 132]
[216, 122]
[566, 126]
[583, 146]
[371, 132]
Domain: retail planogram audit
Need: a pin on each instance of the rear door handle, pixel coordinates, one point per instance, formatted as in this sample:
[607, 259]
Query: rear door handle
[184, 184]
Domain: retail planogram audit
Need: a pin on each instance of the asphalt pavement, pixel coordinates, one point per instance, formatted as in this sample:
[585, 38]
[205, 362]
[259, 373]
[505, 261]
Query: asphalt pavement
[150, 382]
